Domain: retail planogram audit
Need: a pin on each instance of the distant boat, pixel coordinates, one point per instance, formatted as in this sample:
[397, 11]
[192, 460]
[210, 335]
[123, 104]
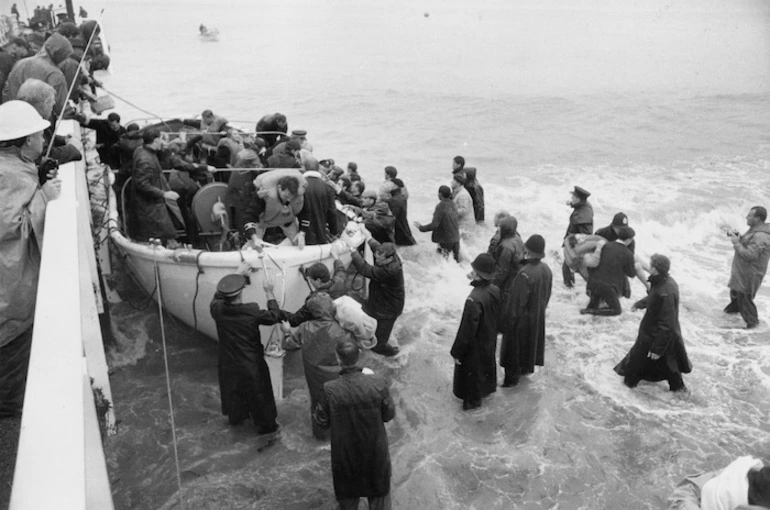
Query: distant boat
[208, 34]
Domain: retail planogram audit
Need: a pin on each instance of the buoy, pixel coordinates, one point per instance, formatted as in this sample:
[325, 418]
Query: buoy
[426, 14]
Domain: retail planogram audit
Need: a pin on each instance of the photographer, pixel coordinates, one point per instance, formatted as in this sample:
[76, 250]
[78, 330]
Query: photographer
[752, 251]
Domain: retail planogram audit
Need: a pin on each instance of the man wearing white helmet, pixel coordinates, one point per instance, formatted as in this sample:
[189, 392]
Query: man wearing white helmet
[21, 240]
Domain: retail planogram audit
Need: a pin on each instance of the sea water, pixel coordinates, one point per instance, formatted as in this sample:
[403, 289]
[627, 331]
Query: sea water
[660, 109]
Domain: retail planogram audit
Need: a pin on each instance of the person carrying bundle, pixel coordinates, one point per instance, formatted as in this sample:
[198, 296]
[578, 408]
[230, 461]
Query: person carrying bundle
[278, 199]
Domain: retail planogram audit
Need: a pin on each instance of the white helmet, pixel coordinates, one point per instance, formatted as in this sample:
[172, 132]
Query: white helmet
[19, 119]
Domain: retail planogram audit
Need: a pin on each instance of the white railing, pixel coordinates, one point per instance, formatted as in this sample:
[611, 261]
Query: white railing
[60, 461]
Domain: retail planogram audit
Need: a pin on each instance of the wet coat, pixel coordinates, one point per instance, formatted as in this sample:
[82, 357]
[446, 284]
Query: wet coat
[475, 343]
[476, 192]
[509, 257]
[609, 234]
[581, 221]
[356, 406]
[386, 286]
[148, 213]
[318, 217]
[42, 66]
[445, 224]
[523, 318]
[317, 338]
[244, 378]
[265, 207]
[659, 333]
[22, 218]
[750, 261]
[398, 206]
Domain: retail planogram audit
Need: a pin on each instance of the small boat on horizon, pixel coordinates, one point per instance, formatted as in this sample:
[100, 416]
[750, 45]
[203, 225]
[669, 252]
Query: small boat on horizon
[208, 34]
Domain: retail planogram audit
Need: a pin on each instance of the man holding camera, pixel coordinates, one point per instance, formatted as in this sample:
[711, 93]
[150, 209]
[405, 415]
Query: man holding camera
[752, 252]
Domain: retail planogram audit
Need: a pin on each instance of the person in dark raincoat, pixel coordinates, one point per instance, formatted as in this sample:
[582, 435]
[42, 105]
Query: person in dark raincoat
[398, 206]
[752, 252]
[474, 347]
[386, 290]
[581, 221]
[445, 226]
[318, 217]
[659, 352]
[317, 338]
[523, 315]
[244, 378]
[356, 407]
[509, 256]
[378, 218]
[151, 197]
[606, 281]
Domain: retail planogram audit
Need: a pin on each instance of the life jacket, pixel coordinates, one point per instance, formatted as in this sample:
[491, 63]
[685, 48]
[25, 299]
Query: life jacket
[277, 213]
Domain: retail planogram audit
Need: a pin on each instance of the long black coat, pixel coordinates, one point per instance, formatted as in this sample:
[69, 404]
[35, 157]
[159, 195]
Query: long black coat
[318, 217]
[244, 378]
[475, 343]
[659, 333]
[356, 407]
[386, 287]
[398, 206]
[149, 215]
[523, 318]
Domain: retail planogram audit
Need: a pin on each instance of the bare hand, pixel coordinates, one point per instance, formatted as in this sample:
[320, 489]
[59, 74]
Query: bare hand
[52, 189]
[653, 356]
[212, 169]
[457, 362]
[245, 267]
[417, 225]
[268, 286]
[172, 195]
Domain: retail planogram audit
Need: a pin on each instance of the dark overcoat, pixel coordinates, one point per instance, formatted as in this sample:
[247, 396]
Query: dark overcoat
[386, 286]
[356, 407]
[509, 257]
[148, 213]
[476, 342]
[660, 334]
[523, 318]
[244, 378]
[398, 206]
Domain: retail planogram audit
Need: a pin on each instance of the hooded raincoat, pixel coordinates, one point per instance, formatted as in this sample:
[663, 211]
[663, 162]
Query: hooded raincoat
[149, 214]
[42, 66]
[509, 256]
[317, 338]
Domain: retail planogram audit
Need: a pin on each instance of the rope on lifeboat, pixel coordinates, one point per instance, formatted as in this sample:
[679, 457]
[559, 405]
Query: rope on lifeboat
[168, 380]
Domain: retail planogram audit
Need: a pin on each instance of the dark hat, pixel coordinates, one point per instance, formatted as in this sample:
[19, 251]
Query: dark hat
[231, 285]
[484, 265]
[353, 166]
[460, 177]
[661, 263]
[299, 132]
[318, 271]
[620, 220]
[626, 233]
[293, 145]
[535, 246]
[386, 249]
[580, 192]
[759, 487]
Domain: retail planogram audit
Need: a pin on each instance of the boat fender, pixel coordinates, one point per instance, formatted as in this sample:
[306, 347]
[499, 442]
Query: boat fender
[353, 319]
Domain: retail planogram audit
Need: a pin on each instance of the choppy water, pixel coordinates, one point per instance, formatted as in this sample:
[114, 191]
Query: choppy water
[660, 109]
